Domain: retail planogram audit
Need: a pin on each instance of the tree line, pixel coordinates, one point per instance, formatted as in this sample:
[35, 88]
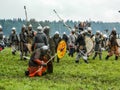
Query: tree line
[7, 24]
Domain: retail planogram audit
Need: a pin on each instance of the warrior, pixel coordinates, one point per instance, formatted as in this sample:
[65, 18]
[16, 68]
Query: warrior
[56, 39]
[30, 34]
[14, 41]
[81, 26]
[71, 44]
[104, 41]
[98, 41]
[1, 33]
[23, 42]
[40, 39]
[1, 39]
[65, 38]
[80, 45]
[38, 63]
[113, 45]
[89, 34]
[50, 41]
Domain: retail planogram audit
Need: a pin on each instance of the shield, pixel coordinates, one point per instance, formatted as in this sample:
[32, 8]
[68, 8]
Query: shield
[118, 41]
[61, 49]
[89, 44]
[119, 51]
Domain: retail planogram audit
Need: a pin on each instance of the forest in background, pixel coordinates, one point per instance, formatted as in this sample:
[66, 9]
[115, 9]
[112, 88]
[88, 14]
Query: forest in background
[7, 24]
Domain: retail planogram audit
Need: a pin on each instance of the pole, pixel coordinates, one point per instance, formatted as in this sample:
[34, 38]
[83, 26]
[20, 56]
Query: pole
[51, 58]
[62, 20]
[25, 57]
[26, 15]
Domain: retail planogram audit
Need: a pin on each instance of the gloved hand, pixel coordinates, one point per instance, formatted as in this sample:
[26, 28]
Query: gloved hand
[44, 65]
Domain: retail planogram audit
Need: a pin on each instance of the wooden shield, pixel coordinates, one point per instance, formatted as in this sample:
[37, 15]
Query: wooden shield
[118, 41]
[29, 47]
[89, 44]
[61, 49]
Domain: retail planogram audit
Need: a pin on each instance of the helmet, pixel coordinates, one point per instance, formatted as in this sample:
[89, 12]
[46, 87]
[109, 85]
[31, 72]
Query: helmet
[3, 36]
[85, 31]
[105, 36]
[23, 26]
[89, 29]
[46, 30]
[114, 28]
[30, 25]
[46, 27]
[73, 30]
[39, 28]
[56, 32]
[44, 50]
[64, 32]
[13, 29]
[97, 31]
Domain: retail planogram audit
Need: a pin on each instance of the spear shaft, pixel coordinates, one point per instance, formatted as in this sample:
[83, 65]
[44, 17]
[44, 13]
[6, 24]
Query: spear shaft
[62, 20]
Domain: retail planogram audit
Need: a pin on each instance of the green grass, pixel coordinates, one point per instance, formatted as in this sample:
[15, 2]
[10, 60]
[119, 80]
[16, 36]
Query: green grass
[97, 75]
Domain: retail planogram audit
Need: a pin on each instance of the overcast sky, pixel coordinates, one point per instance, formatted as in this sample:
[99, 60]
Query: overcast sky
[95, 10]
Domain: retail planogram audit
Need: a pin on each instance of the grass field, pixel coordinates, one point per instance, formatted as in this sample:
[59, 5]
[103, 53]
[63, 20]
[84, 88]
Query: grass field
[97, 75]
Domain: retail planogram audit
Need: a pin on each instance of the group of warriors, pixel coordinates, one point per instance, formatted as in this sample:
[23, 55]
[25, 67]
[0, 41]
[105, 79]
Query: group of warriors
[42, 47]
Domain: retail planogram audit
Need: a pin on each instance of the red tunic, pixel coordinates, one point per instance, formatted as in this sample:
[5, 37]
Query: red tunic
[37, 71]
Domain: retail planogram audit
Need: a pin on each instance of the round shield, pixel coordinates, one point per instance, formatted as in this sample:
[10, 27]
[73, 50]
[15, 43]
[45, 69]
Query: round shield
[119, 51]
[118, 41]
[89, 44]
[61, 49]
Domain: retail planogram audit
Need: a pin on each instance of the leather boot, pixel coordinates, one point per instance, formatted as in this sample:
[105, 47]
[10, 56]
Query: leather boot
[107, 57]
[116, 57]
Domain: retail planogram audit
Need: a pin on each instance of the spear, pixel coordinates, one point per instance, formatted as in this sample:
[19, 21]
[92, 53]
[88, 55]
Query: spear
[62, 20]
[26, 16]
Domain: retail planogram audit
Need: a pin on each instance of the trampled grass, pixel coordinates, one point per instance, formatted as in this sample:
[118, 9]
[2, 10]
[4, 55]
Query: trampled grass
[97, 75]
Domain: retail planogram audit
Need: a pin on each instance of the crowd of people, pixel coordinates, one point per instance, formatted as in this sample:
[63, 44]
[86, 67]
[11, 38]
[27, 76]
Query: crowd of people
[41, 46]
